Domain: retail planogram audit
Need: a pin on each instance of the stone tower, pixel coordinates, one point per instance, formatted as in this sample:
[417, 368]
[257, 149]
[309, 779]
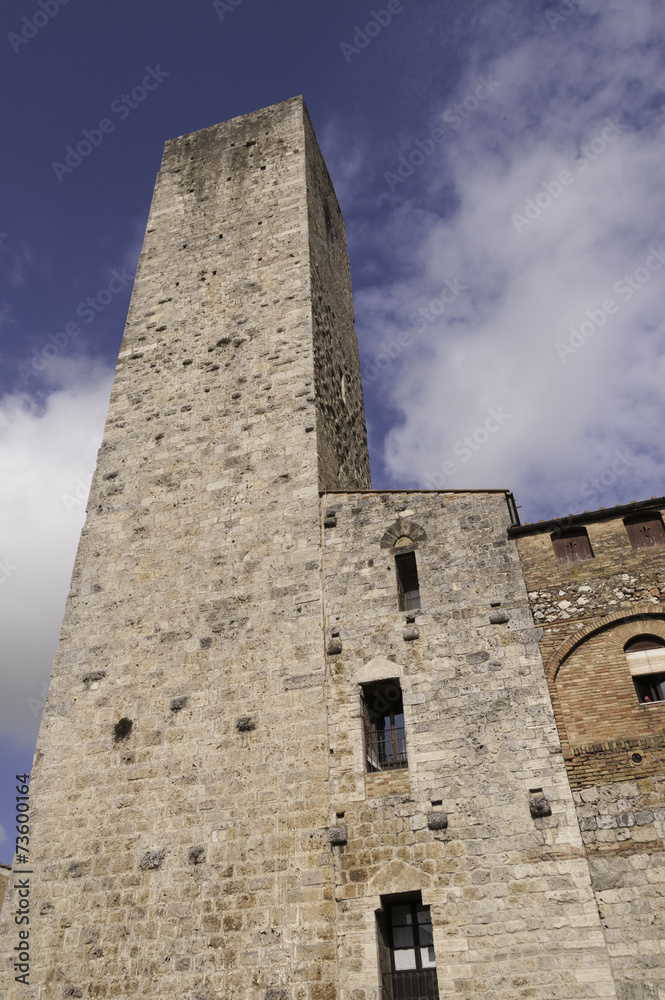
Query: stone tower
[292, 722]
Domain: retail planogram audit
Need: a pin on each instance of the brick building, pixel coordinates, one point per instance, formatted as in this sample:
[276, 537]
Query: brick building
[299, 743]
[596, 585]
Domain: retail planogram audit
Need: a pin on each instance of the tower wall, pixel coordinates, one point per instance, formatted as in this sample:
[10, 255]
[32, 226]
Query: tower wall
[187, 858]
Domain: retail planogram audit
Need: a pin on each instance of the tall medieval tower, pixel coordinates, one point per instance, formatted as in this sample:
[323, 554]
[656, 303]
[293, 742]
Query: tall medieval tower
[298, 743]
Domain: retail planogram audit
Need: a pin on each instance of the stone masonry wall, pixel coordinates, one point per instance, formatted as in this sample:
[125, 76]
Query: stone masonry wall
[180, 784]
[614, 746]
[342, 436]
[512, 906]
[623, 827]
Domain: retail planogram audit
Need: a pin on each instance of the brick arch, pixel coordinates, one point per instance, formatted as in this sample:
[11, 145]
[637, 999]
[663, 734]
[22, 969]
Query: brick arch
[627, 625]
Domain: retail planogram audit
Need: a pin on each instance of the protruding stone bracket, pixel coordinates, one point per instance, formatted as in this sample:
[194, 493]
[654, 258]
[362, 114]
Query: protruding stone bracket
[337, 836]
[539, 805]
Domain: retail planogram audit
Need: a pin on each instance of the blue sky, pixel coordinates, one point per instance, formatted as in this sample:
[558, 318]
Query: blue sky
[499, 167]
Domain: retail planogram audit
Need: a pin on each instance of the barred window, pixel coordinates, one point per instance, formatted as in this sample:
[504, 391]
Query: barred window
[383, 722]
[407, 581]
[406, 949]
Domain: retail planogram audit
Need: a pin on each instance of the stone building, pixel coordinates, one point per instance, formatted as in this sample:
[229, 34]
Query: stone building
[299, 742]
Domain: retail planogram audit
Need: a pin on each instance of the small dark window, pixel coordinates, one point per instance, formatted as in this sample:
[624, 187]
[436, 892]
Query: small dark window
[646, 531]
[571, 545]
[406, 949]
[650, 688]
[646, 661]
[383, 719]
[407, 581]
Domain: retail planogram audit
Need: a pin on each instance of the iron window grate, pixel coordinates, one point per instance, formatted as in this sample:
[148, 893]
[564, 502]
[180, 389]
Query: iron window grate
[407, 581]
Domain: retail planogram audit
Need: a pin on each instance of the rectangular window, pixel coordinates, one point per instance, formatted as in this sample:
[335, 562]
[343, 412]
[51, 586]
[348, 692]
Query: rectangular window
[644, 534]
[650, 687]
[572, 545]
[383, 718]
[408, 961]
[407, 581]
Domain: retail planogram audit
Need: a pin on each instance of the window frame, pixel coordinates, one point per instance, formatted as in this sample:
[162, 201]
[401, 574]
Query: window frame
[647, 673]
[399, 984]
[397, 758]
[408, 600]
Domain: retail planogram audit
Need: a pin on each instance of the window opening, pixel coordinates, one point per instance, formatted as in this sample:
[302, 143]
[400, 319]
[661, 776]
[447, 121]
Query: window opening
[645, 532]
[409, 940]
[646, 661]
[571, 545]
[407, 581]
[383, 718]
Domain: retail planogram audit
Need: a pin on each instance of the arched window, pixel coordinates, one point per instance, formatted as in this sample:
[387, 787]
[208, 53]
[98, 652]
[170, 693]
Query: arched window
[646, 661]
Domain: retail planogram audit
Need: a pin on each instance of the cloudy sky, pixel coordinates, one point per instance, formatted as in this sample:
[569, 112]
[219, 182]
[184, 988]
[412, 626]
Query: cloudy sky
[499, 164]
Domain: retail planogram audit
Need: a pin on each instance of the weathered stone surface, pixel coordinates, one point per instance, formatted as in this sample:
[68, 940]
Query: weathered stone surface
[187, 810]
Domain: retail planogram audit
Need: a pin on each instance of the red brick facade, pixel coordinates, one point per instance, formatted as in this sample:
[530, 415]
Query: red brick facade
[588, 611]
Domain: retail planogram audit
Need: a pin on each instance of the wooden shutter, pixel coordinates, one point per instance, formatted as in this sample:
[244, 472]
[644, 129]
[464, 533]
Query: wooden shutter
[573, 546]
[644, 534]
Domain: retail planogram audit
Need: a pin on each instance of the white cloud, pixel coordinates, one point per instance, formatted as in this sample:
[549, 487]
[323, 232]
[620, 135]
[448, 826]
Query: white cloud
[495, 345]
[47, 454]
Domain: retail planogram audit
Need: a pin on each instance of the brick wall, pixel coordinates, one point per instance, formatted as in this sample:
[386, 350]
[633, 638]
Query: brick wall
[614, 747]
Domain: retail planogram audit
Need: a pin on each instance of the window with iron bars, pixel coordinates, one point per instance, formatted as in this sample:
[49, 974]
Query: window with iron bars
[383, 720]
[406, 949]
[407, 581]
